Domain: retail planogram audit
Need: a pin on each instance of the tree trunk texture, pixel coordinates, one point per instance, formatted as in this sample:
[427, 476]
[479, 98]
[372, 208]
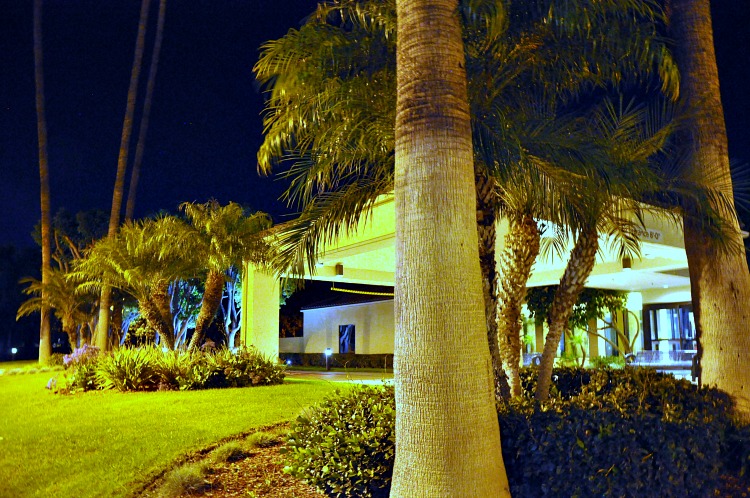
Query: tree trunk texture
[574, 278]
[150, 311]
[214, 290]
[69, 327]
[719, 279]
[45, 333]
[146, 114]
[102, 332]
[486, 232]
[117, 306]
[443, 370]
[515, 262]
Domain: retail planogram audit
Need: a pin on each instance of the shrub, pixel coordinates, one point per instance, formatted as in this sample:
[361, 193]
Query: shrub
[128, 369]
[245, 367]
[172, 368]
[346, 445]
[626, 432]
[56, 360]
[80, 371]
[599, 451]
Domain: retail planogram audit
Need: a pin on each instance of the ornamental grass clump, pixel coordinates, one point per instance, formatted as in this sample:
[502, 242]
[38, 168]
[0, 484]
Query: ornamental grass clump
[129, 369]
[150, 368]
[346, 445]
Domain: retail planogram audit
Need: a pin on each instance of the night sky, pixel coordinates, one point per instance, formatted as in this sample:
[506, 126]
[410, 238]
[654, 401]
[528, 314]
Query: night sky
[205, 122]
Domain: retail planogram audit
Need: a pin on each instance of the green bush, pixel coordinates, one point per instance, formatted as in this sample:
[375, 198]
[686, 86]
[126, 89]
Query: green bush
[346, 445]
[610, 432]
[148, 368]
[245, 367]
[80, 371]
[129, 369]
[600, 451]
[173, 368]
[337, 360]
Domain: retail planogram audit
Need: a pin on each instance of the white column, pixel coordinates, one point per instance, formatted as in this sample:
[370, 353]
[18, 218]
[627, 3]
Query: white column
[260, 311]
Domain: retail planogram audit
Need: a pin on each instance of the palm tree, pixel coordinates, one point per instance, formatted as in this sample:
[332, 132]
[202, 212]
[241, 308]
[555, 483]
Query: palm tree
[719, 278]
[638, 142]
[223, 238]
[146, 112]
[102, 333]
[45, 337]
[442, 366]
[71, 307]
[331, 107]
[141, 260]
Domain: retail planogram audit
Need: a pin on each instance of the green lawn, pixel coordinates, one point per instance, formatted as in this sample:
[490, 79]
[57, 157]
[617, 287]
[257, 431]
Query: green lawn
[108, 443]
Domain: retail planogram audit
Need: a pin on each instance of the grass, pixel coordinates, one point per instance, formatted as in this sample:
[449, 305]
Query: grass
[110, 443]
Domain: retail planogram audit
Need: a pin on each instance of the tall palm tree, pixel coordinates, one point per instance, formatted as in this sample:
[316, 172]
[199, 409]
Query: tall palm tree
[146, 112]
[331, 109]
[442, 365]
[105, 299]
[224, 237]
[45, 335]
[141, 260]
[719, 278]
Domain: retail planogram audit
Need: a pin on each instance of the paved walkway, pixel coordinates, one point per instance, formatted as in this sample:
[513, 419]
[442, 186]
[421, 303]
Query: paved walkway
[368, 377]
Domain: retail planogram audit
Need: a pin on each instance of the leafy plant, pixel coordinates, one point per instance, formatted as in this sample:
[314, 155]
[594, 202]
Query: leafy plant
[346, 445]
[128, 369]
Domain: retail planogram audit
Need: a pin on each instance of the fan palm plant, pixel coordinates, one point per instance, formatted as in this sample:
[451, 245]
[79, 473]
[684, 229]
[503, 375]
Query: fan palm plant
[141, 260]
[639, 143]
[222, 237]
[71, 306]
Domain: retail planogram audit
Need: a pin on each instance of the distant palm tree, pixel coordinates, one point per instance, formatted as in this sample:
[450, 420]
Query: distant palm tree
[223, 237]
[145, 113]
[142, 259]
[71, 306]
[45, 336]
[105, 300]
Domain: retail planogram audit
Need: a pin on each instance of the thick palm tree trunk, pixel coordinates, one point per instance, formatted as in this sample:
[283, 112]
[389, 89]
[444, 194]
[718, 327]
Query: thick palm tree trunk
[214, 290]
[146, 114]
[150, 311]
[155, 309]
[486, 233]
[444, 380]
[515, 262]
[719, 279]
[102, 332]
[574, 278]
[45, 335]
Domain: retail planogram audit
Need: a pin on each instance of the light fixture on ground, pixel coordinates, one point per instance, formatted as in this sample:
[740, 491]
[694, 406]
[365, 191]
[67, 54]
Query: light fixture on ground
[328, 352]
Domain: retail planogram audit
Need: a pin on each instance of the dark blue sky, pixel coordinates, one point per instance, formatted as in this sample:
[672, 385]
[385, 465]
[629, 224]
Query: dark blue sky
[205, 123]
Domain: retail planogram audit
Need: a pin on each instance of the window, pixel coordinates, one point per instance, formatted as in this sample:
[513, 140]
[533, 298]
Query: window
[669, 327]
[346, 338]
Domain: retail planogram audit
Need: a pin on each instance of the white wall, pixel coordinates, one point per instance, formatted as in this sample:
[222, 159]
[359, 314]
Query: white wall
[373, 328]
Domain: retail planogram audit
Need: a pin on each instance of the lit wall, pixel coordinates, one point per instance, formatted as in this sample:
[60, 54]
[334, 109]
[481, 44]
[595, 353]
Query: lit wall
[373, 324]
